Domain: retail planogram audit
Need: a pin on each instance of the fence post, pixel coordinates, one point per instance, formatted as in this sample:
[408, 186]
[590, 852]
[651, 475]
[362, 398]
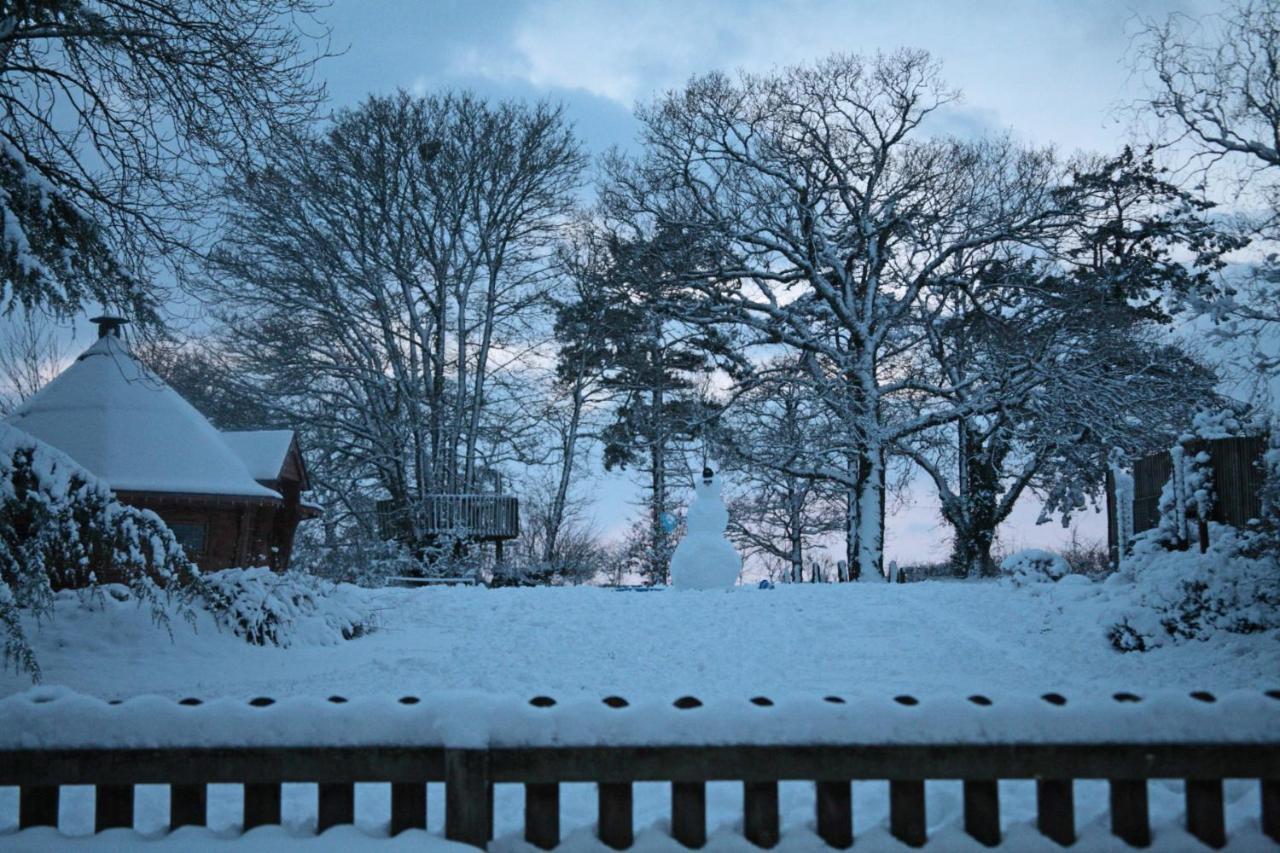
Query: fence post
[188, 805]
[760, 813]
[982, 810]
[468, 797]
[113, 807]
[335, 805]
[38, 806]
[1271, 808]
[1056, 810]
[614, 819]
[542, 814]
[689, 813]
[1204, 811]
[835, 813]
[1130, 820]
[408, 806]
[906, 811]
[261, 804]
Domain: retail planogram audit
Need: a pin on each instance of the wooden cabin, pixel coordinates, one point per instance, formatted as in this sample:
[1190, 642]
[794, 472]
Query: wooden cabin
[231, 498]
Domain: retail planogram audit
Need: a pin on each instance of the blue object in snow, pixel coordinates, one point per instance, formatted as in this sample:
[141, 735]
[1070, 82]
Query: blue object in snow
[766, 584]
[668, 521]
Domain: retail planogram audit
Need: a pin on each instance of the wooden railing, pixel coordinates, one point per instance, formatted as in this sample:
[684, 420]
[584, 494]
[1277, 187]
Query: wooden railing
[480, 517]
[469, 775]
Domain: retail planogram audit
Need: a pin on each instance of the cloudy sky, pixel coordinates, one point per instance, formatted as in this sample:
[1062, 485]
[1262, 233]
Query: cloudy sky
[1050, 71]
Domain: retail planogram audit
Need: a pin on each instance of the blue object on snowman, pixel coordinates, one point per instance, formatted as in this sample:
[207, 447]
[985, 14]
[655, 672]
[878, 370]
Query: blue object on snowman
[766, 584]
[668, 521]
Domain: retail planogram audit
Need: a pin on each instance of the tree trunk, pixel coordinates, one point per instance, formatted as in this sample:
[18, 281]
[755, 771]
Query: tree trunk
[868, 493]
[568, 448]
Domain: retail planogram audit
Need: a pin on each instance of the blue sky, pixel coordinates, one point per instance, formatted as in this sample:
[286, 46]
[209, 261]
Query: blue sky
[1049, 72]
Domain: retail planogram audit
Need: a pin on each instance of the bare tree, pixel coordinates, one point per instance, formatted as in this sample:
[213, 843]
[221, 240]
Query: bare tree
[385, 279]
[32, 352]
[116, 115]
[824, 213]
[767, 441]
[1215, 95]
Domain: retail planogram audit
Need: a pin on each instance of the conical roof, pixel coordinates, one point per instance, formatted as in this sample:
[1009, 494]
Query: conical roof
[127, 426]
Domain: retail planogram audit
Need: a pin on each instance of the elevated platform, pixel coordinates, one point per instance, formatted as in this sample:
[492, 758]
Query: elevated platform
[475, 517]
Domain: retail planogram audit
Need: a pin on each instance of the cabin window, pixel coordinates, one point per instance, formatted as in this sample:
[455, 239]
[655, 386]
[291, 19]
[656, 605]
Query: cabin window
[191, 536]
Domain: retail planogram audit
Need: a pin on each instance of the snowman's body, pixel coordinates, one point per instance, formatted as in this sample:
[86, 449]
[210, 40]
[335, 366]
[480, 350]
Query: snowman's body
[704, 559]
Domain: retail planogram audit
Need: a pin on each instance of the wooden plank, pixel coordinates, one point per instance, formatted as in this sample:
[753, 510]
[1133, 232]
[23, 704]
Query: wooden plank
[614, 816]
[630, 764]
[38, 806]
[1056, 810]
[408, 806]
[1130, 816]
[1271, 808]
[834, 807]
[261, 804]
[982, 810]
[468, 797]
[689, 813]
[906, 811]
[335, 805]
[760, 813]
[1204, 811]
[112, 807]
[188, 805]
[542, 815]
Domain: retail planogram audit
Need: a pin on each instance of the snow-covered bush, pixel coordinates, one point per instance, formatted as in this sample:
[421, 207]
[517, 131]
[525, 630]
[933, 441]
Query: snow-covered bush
[283, 610]
[1034, 566]
[1181, 595]
[61, 527]
[366, 561]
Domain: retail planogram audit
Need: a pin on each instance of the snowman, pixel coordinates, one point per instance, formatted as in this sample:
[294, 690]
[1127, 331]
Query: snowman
[704, 559]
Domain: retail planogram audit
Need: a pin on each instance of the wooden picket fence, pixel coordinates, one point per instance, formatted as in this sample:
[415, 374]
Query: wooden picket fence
[470, 774]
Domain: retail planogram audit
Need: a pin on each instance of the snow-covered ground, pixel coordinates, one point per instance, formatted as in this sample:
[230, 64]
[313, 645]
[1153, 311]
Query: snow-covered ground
[935, 639]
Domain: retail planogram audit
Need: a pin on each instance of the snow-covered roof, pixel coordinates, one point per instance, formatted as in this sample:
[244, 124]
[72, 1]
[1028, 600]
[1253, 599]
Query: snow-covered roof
[263, 451]
[127, 426]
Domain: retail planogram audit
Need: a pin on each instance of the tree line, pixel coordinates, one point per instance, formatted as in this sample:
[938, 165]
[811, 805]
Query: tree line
[794, 274]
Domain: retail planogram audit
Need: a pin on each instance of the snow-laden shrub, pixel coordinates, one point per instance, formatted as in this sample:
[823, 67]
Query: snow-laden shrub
[62, 527]
[363, 561]
[1183, 595]
[284, 610]
[1034, 566]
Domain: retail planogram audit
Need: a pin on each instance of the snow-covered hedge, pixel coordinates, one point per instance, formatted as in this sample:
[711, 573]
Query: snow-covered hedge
[1034, 566]
[268, 608]
[1184, 595]
[61, 526]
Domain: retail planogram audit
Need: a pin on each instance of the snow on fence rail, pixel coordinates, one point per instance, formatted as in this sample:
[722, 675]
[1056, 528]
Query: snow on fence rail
[470, 742]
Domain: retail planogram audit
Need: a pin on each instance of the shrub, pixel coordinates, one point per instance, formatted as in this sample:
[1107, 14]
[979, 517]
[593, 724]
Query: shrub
[61, 526]
[1185, 595]
[1034, 566]
[283, 610]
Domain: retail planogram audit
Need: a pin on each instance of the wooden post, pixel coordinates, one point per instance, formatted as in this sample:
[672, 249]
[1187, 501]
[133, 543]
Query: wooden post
[37, 806]
[113, 807]
[468, 797]
[906, 811]
[188, 805]
[760, 813]
[689, 813]
[408, 806]
[261, 804]
[835, 813]
[542, 814]
[1056, 810]
[1204, 811]
[982, 810]
[335, 805]
[1130, 817]
[614, 820]
[1271, 808]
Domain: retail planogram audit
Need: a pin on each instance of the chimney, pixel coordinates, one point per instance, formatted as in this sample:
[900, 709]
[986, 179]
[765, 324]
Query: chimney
[108, 325]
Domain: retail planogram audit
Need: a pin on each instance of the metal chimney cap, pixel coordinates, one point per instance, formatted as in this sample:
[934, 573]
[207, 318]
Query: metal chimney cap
[108, 324]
